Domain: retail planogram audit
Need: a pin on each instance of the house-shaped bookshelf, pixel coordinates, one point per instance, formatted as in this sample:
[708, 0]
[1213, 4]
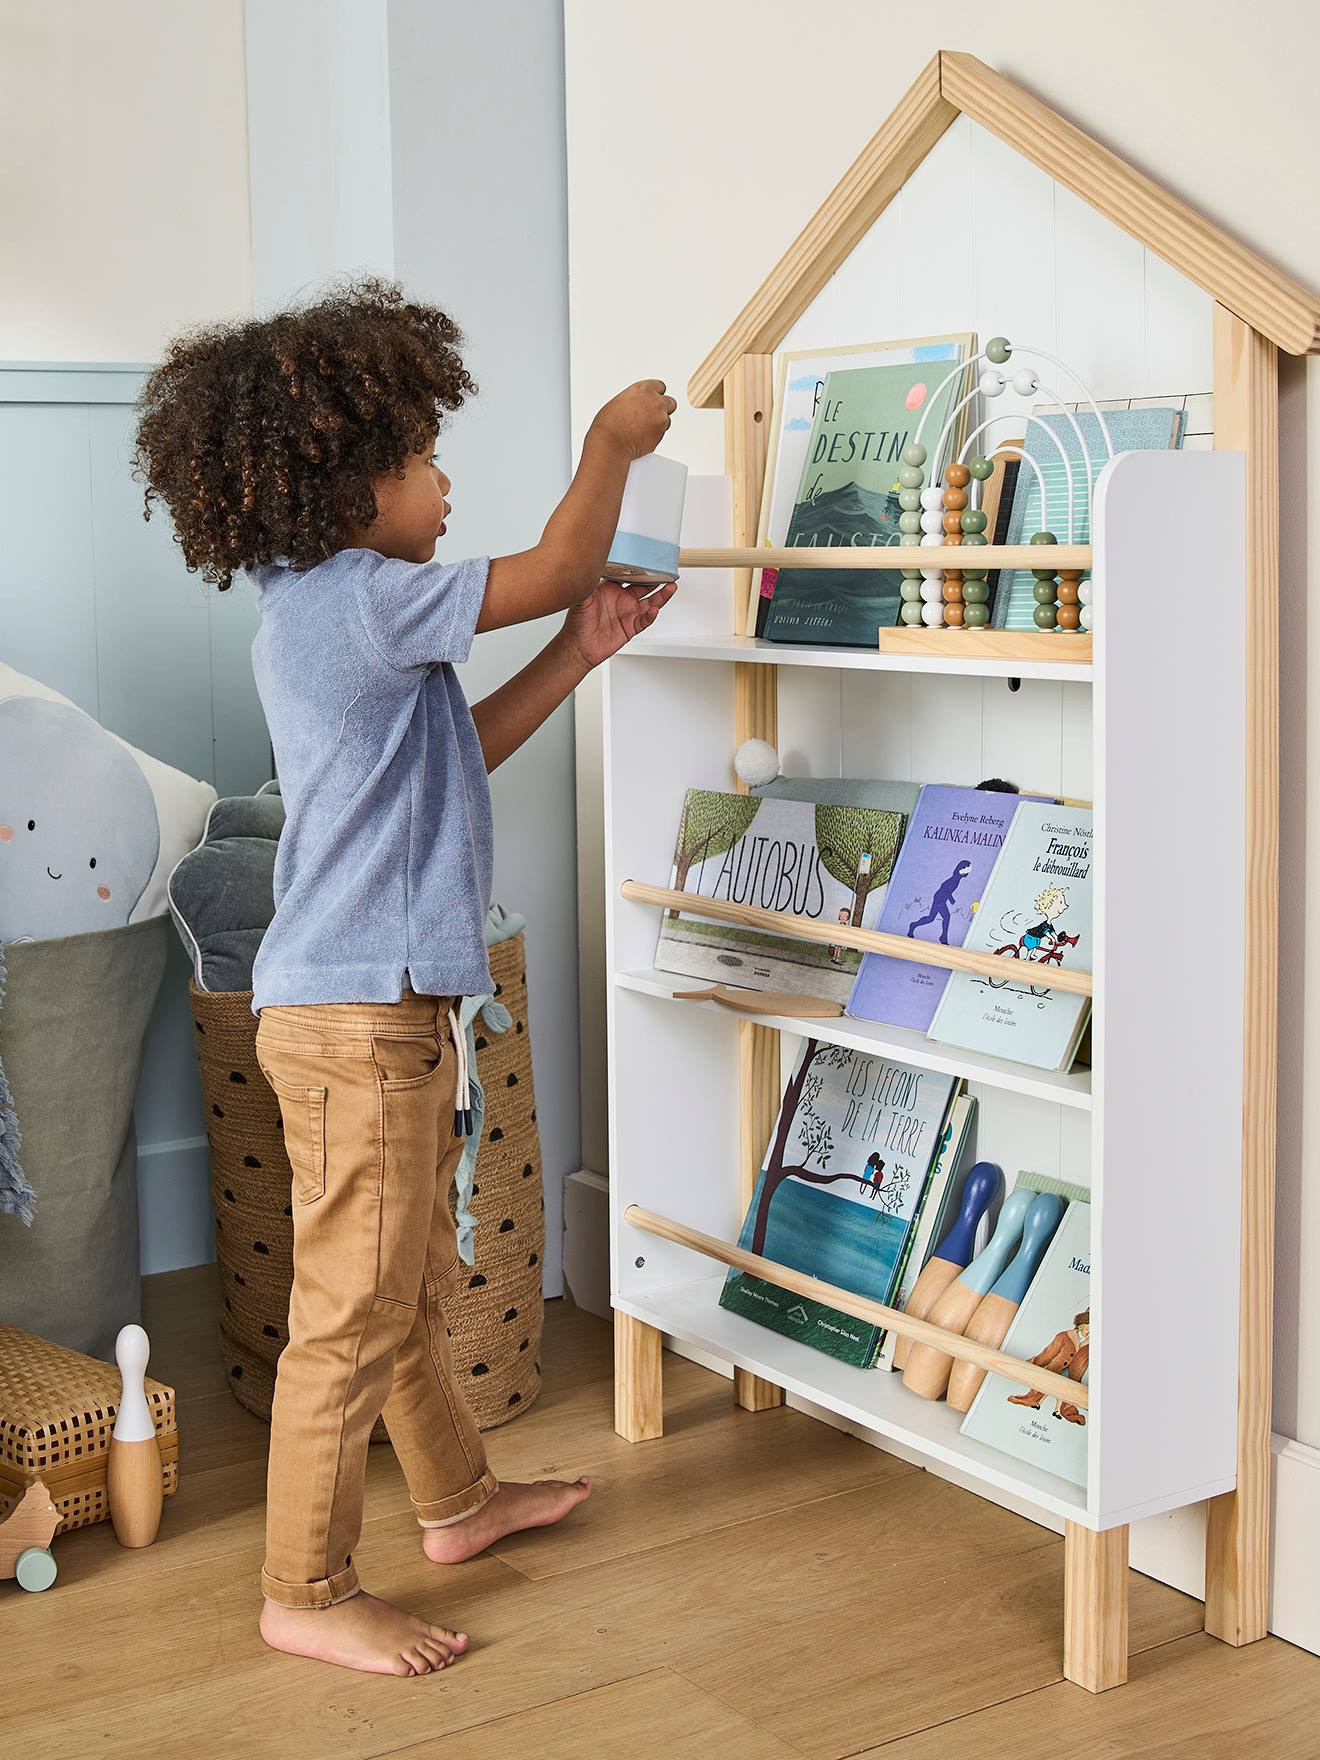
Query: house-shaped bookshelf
[976, 207]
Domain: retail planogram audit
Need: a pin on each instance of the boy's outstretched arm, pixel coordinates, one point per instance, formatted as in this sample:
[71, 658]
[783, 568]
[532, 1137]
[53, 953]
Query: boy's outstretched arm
[565, 566]
[593, 630]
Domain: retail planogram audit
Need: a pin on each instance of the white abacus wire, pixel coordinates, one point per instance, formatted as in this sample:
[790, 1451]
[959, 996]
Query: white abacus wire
[1063, 455]
[1077, 380]
[1007, 451]
[1004, 451]
[1082, 447]
[962, 367]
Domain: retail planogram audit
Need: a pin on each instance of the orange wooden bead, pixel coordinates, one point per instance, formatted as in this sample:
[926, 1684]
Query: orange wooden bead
[1070, 616]
[953, 523]
[952, 590]
[953, 616]
[955, 498]
[1068, 584]
[957, 476]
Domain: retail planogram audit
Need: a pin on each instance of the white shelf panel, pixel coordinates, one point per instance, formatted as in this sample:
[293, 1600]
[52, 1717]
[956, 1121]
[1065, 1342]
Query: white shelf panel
[874, 1398]
[751, 649]
[897, 1042]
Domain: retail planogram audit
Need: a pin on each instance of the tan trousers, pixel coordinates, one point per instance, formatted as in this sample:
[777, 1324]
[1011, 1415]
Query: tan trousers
[366, 1092]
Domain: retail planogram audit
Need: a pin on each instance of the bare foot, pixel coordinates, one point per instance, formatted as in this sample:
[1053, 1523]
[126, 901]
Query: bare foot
[512, 1508]
[362, 1632]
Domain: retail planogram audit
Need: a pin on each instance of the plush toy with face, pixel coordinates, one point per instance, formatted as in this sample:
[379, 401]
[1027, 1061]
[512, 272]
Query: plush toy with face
[79, 830]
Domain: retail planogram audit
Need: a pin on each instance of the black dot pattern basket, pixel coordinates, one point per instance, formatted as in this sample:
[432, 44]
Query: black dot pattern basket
[497, 1312]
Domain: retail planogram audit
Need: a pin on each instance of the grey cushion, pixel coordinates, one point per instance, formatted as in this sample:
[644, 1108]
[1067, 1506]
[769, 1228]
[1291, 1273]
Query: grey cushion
[72, 1034]
[222, 893]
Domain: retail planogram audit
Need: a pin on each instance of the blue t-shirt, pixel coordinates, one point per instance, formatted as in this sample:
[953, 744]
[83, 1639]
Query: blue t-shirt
[383, 873]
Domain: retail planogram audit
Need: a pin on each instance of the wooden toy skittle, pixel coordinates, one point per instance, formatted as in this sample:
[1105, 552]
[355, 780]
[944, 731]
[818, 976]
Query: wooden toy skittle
[25, 1537]
[135, 1481]
[981, 1189]
[927, 1371]
[994, 1314]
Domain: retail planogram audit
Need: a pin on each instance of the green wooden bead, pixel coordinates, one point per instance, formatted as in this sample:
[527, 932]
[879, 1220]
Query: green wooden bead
[981, 468]
[1045, 617]
[973, 520]
[909, 537]
[911, 476]
[973, 574]
[911, 574]
[909, 522]
[998, 350]
[1043, 538]
[910, 500]
[1045, 593]
[914, 453]
[975, 592]
[974, 538]
[1043, 574]
[911, 590]
[911, 611]
[975, 615]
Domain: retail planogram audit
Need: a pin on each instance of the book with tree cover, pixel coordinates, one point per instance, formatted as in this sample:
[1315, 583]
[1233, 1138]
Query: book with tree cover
[949, 850]
[813, 859]
[1052, 1329]
[1035, 914]
[848, 498]
[951, 1155]
[840, 1186]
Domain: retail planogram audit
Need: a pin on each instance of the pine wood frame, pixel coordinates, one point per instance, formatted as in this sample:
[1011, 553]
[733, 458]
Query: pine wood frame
[1258, 310]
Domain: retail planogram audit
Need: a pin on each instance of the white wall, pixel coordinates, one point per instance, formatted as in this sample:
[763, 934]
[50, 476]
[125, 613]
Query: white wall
[123, 174]
[759, 113]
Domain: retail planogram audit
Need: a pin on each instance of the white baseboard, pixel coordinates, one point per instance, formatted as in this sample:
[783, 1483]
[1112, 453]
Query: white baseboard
[175, 1226]
[1170, 1548]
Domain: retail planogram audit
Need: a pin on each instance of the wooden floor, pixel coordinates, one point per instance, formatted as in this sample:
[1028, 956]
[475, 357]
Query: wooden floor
[752, 1585]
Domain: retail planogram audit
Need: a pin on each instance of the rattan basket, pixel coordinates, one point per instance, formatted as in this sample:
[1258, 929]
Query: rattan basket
[497, 1312]
[57, 1409]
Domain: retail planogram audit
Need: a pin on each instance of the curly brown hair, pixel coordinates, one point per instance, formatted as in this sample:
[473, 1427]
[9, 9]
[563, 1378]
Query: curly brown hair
[263, 437]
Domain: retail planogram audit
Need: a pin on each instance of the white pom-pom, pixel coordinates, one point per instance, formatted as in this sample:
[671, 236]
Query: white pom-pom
[1026, 382]
[992, 383]
[756, 762]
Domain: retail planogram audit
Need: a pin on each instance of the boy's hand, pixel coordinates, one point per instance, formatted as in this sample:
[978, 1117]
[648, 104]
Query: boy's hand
[610, 618]
[637, 418]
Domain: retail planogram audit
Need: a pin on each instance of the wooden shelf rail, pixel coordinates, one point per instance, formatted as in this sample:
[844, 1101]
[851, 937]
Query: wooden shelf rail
[861, 1307]
[921, 953]
[1072, 556]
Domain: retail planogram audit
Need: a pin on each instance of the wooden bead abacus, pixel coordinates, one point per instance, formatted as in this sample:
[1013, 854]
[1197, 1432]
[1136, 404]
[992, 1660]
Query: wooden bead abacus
[1045, 592]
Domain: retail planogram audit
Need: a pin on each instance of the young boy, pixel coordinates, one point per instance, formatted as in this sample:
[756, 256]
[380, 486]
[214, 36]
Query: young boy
[299, 448]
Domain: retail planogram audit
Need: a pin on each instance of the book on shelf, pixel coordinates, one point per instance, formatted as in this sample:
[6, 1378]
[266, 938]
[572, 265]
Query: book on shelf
[816, 860]
[1150, 426]
[1052, 1330]
[1035, 914]
[954, 1151]
[838, 1192]
[800, 376]
[848, 497]
[949, 849]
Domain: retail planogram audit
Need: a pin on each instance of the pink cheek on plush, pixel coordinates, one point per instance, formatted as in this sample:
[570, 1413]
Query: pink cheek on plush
[103, 892]
[6, 833]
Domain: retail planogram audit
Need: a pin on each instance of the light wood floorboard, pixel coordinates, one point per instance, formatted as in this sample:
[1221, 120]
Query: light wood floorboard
[750, 1584]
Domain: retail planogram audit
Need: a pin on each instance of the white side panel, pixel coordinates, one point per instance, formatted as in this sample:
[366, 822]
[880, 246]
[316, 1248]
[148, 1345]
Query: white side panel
[1167, 1108]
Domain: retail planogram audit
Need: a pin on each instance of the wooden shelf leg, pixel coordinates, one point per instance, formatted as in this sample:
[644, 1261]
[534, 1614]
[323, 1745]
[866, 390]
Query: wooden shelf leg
[638, 1404]
[758, 1086]
[1237, 1532]
[1095, 1607]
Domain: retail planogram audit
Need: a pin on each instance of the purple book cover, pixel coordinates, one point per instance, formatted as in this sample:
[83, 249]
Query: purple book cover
[945, 860]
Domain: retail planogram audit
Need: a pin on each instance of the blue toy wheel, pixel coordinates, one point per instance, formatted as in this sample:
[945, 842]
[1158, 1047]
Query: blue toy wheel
[35, 1569]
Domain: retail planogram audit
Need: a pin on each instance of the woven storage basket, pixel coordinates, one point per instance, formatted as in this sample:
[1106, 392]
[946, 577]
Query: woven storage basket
[57, 1409]
[497, 1310]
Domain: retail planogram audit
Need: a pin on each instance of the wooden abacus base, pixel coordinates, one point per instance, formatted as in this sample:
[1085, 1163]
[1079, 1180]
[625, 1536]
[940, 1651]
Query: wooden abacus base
[988, 644]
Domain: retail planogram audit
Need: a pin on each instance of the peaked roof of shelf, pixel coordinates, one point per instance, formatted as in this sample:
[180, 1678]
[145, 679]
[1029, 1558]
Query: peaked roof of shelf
[953, 84]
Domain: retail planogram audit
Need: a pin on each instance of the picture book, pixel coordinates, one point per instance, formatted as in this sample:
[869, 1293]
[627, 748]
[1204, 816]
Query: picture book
[838, 1191]
[952, 841]
[1035, 913]
[956, 1144]
[799, 382]
[829, 863]
[1052, 1329]
[1149, 427]
[848, 497]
